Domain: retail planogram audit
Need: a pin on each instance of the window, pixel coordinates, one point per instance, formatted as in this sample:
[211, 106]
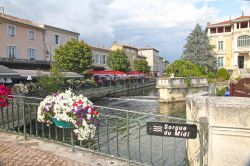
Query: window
[12, 53]
[220, 61]
[220, 45]
[97, 59]
[128, 50]
[12, 30]
[32, 53]
[243, 41]
[227, 29]
[31, 34]
[56, 39]
[103, 59]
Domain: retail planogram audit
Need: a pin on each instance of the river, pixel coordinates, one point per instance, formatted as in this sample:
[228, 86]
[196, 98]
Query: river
[112, 135]
[153, 150]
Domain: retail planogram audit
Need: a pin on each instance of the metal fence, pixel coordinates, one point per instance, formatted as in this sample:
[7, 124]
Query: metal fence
[122, 134]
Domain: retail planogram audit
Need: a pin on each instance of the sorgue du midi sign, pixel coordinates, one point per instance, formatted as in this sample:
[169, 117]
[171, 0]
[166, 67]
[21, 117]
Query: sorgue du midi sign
[172, 129]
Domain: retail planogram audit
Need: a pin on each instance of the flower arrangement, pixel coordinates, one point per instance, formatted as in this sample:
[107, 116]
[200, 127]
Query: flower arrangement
[5, 97]
[68, 107]
[20, 88]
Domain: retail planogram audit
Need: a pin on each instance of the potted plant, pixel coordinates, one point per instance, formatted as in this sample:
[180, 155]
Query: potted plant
[5, 96]
[67, 110]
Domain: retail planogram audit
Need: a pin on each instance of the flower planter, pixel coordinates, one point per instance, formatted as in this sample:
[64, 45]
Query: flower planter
[61, 124]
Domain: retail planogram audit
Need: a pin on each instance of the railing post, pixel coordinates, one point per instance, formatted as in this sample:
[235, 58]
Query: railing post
[128, 147]
[24, 119]
[72, 141]
[201, 146]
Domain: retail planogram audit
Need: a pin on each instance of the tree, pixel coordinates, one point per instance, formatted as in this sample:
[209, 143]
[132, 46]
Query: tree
[198, 50]
[51, 83]
[118, 60]
[183, 68]
[141, 65]
[74, 56]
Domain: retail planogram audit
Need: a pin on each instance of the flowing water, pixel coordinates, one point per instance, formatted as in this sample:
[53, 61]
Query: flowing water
[153, 150]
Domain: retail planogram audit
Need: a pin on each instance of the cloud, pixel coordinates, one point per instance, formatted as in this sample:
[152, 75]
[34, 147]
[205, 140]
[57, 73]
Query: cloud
[161, 24]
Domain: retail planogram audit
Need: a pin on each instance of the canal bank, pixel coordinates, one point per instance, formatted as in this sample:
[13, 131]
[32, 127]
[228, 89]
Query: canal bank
[123, 129]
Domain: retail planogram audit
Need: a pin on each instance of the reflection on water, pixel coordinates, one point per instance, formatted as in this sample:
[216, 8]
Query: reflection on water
[113, 137]
[154, 150]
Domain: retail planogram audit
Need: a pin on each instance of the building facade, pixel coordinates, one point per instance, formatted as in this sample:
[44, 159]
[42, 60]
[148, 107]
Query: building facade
[54, 37]
[231, 41]
[100, 56]
[25, 44]
[20, 39]
[131, 52]
[157, 64]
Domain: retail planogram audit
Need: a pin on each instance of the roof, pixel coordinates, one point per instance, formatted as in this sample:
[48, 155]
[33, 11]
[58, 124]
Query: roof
[124, 45]
[19, 20]
[7, 72]
[148, 48]
[242, 18]
[99, 48]
[38, 73]
[229, 22]
[45, 26]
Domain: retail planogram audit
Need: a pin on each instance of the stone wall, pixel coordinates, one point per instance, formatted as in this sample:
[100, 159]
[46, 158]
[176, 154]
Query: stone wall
[226, 139]
[175, 89]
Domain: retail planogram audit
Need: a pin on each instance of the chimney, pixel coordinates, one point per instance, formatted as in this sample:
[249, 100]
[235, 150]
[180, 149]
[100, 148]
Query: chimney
[208, 23]
[242, 12]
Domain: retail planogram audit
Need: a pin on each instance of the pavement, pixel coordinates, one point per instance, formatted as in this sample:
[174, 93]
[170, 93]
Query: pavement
[16, 151]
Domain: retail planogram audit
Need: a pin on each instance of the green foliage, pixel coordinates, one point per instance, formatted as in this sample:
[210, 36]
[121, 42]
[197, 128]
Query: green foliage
[198, 49]
[238, 78]
[141, 65]
[74, 56]
[118, 60]
[53, 83]
[211, 75]
[183, 68]
[221, 92]
[222, 74]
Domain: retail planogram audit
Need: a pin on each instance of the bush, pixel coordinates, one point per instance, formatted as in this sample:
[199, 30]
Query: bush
[183, 68]
[222, 74]
[211, 75]
[221, 92]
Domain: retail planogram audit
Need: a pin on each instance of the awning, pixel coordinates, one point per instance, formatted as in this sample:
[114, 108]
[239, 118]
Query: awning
[39, 73]
[109, 73]
[7, 72]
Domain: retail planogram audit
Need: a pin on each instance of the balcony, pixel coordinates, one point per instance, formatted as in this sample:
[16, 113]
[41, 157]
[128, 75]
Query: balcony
[24, 63]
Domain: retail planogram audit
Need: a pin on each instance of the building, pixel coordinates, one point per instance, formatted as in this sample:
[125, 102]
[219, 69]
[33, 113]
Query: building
[54, 37]
[157, 64]
[131, 52]
[28, 45]
[20, 39]
[100, 55]
[231, 39]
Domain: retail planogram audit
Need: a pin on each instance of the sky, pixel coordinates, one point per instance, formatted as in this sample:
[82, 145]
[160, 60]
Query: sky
[161, 24]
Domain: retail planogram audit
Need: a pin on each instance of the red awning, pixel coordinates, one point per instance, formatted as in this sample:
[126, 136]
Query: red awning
[107, 72]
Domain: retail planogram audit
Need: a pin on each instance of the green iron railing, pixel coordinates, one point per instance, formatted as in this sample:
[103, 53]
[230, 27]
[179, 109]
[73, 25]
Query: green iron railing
[121, 134]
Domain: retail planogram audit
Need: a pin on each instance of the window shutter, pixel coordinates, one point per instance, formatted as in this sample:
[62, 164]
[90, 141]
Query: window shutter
[17, 53]
[7, 51]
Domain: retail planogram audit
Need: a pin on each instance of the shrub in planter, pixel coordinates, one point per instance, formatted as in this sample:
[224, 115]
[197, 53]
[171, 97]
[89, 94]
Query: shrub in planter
[222, 74]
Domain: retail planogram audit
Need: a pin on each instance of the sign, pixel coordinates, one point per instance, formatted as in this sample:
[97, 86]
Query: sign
[242, 88]
[172, 130]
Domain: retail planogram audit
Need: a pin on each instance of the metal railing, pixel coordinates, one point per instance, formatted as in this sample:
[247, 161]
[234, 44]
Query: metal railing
[122, 134]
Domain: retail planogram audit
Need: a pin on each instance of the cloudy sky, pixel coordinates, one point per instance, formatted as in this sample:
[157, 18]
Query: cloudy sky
[161, 24]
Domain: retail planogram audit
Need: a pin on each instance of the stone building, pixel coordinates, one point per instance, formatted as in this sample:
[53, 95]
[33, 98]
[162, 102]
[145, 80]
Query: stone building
[231, 39]
[100, 55]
